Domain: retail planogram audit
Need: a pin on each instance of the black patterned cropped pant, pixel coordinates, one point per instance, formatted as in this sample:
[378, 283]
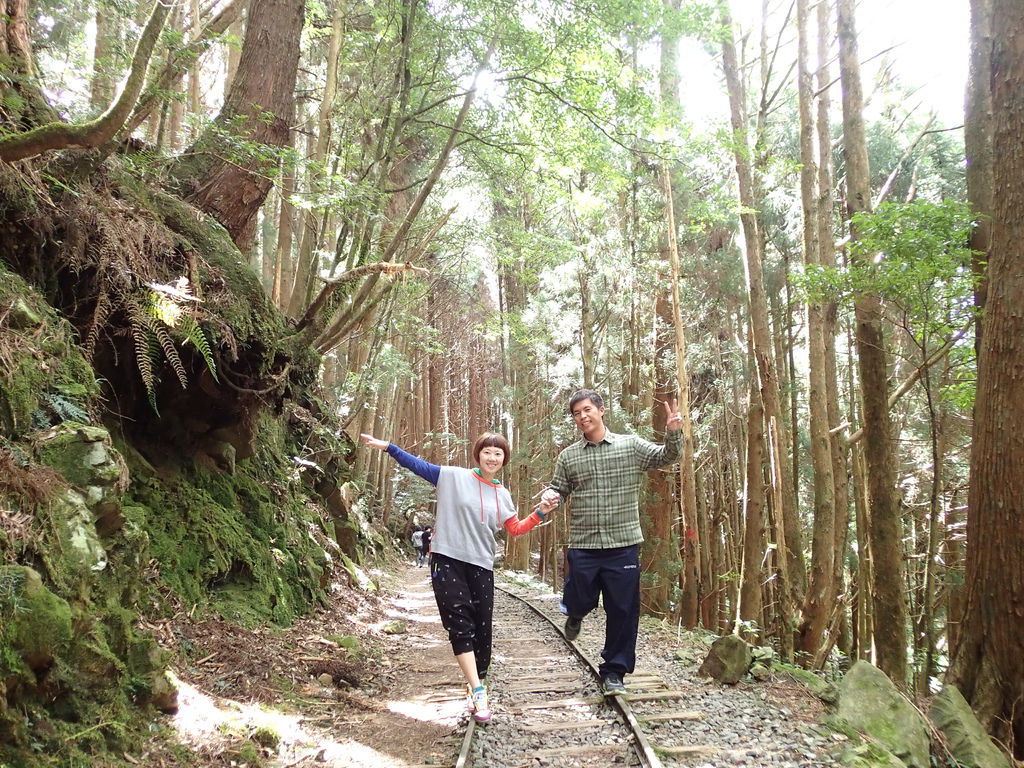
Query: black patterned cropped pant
[465, 600]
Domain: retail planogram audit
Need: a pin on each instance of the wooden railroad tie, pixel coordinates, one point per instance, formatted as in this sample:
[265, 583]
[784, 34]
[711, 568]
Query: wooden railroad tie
[668, 716]
[568, 725]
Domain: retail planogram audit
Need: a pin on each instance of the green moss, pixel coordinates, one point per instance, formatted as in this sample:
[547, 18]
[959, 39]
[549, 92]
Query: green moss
[231, 288]
[267, 737]
[47, 374]
[816, 684]
[35, 624]
[236, 544]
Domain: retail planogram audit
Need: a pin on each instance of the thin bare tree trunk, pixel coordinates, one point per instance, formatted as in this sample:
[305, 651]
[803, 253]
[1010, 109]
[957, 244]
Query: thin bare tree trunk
[750, 609]
[827, 257]
[195, 92]
[105, 58]
[308, 267]
[285, 228]
[689, 608]
[791, 560]
[819, 599]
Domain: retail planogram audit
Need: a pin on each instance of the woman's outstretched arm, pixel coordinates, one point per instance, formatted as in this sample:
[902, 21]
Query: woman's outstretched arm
[426, 470]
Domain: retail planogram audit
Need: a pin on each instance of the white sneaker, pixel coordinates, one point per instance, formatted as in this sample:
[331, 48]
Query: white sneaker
[481, 711]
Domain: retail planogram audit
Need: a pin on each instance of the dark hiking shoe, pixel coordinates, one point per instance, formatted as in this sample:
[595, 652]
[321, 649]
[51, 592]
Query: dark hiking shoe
[572, 627]
[611, 684]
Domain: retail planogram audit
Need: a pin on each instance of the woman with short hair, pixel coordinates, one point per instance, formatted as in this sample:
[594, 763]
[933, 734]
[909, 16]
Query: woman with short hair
[472, 505]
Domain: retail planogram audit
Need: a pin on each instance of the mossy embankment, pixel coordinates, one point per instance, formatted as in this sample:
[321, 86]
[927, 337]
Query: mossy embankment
[146, 463]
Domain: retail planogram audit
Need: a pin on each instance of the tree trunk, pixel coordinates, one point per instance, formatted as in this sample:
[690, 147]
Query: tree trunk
[686, 501]
[308, 266]
[236, 32]
[978, 147]
[887, 593]
[791, 559]
[283, 263]
[750, 609]
[819, 599]
[260, 107]
[22, 104]
[105, 58]
[988, 662]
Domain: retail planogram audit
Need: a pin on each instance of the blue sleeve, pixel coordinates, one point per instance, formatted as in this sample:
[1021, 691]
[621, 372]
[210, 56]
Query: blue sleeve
[426, 470]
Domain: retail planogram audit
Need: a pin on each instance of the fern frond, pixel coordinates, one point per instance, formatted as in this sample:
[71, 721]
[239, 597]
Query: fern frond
[195, 335]
[167, 344]
[99, 317]
[141, 338]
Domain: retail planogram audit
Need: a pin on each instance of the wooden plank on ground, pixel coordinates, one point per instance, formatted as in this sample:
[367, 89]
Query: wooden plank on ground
[558, 703]
[557, 677]
[556, 687]
[703, 749]
[567, 725]
[581, 751]
[654, 696]
[667, 716]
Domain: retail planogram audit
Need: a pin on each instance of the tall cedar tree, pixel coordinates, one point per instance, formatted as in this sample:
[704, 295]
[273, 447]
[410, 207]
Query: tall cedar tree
[988, 664]
[887, 596]
[259, 108]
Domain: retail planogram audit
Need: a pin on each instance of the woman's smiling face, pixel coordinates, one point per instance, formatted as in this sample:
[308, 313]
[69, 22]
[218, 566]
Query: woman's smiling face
[491, 459]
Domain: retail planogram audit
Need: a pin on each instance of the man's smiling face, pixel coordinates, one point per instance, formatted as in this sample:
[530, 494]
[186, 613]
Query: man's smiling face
[589, 419]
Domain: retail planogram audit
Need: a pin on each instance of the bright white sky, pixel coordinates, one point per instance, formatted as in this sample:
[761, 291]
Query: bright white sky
[931, 54]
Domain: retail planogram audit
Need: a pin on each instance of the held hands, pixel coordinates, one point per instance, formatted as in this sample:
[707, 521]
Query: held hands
[548, 504]
[673, 418]
[373, 442]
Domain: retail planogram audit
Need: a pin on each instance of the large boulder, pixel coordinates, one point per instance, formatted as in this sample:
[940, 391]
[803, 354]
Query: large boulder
[869, 702]
[728, 660]
[967, 740]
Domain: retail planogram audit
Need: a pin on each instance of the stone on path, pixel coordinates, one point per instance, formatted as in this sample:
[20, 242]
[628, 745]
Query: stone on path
[728, 660]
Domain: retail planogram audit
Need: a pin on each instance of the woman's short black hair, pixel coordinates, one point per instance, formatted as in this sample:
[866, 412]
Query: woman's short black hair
[585, 394]
[491, 440]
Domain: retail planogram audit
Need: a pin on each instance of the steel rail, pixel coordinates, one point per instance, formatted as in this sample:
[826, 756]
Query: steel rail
[646, 753]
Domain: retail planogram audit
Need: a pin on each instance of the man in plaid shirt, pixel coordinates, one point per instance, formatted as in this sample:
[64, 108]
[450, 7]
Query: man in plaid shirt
[601, 474]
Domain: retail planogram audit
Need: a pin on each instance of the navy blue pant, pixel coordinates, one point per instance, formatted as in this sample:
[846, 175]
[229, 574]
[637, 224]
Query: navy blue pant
[614, 575]
[465, 600]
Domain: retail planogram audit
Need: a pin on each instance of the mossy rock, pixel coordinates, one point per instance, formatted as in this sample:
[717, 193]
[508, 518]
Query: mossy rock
[870, 702]
[240, 544]
[35, 624]
[84, 455]
[815, 683]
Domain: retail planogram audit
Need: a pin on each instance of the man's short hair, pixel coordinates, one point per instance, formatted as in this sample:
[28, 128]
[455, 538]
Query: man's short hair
[491, 440]
[585, 394]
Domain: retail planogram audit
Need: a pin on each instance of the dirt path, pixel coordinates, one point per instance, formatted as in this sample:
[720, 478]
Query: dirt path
[295, 697]
[419, 722]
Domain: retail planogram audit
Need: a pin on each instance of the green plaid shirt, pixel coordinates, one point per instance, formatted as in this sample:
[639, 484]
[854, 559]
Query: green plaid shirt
[603, 480]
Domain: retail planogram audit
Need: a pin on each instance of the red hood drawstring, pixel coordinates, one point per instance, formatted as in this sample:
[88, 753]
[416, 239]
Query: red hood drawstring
[497, 507]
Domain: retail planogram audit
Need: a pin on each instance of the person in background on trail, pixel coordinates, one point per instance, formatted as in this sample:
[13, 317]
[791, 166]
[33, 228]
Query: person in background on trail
[428, 532]
[472, 505]
[601, 473]
[417, 545]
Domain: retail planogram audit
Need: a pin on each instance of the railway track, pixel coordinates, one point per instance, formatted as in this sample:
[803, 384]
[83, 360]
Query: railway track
[549, 710]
